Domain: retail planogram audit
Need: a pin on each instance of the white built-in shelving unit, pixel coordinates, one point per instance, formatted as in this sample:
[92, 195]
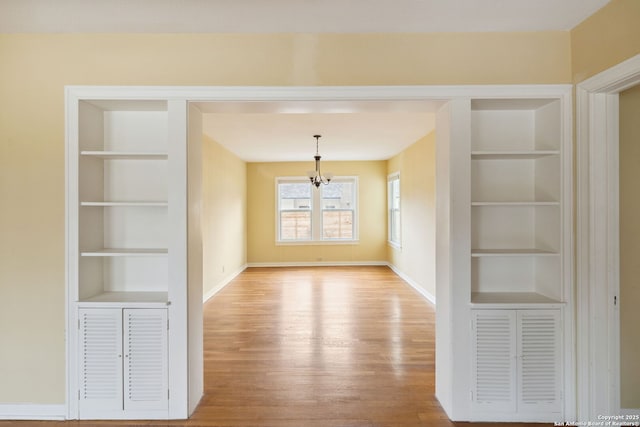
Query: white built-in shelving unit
[504, 339]
[123, 198]
[516, 201]
[519, 197]
[128, 288]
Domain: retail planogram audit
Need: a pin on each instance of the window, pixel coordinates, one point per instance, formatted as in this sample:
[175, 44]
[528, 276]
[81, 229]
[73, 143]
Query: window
[326, 214]
[393, 194]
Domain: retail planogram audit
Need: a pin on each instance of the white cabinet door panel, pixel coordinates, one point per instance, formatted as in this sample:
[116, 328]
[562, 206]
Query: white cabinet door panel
[146, 378]
[100, 362]
[494, 360]
[539, 368]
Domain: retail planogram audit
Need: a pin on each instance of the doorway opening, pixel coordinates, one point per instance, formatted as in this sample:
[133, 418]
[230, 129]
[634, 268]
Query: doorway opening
[598, 239]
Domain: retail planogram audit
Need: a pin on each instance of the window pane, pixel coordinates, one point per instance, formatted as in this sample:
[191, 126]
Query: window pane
[337, 224]
[338, 210]
[295, 210]
[295, 225]
[337, 195]
[395, 191]
[395, 226]
[394, 209]
[294, 195]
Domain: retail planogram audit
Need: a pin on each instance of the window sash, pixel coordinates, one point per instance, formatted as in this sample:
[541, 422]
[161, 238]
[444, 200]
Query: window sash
[298, 230]
[393, 209]
[348, 228]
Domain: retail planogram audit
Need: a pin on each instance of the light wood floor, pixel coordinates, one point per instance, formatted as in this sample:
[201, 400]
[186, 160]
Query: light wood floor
[307, 347]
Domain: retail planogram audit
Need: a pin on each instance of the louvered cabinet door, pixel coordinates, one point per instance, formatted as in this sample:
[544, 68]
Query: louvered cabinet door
[539, 375]
[145, 364]
[494, 360]
[100, 391]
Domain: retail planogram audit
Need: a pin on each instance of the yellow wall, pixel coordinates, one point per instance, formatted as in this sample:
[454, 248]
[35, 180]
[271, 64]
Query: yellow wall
[605, 39]
[224, 210]
[261, 216]
[35, 67]
[629, 248]
[417, 167]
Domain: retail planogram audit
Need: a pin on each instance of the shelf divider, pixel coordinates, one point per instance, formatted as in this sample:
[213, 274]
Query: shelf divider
[124, 204]
[512, 252]
[109, 252]
[512, 154]
[126, 155]
[123, 298]
[499, 298]
[516, 203]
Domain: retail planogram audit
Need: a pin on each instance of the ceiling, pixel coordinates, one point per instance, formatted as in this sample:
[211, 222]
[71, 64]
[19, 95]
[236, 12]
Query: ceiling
[351, 130]
[286, 16]
[284, 131]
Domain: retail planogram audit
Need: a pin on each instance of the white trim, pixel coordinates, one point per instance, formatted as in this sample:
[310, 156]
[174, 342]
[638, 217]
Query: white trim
[317, 242]
[317, 264]
[496, 416]
[29, 411]
[71, 251]
[224, 282]
[315, 93]
[568, 311]
[422, 291]
[616, 79]
[597, 258]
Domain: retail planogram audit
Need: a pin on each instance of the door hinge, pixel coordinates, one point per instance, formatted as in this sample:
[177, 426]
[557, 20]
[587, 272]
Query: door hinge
[167, 324]
[615, 300]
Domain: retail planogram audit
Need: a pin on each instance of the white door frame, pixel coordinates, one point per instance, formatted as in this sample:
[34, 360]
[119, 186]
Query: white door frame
[597, 238]
[355, 94]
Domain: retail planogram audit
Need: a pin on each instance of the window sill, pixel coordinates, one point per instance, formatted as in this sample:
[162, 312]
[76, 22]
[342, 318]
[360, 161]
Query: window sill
[318, 243]
[394, 245]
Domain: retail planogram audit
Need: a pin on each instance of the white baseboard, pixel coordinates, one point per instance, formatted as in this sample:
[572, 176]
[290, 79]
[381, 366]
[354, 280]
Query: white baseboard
[428, 296]
[318, 264]
[224, 282]
[30, 411]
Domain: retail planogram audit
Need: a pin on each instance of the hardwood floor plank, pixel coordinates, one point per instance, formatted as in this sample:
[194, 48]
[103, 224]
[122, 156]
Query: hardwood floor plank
[307, 347]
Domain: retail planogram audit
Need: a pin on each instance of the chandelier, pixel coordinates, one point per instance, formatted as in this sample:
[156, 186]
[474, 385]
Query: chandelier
[316, 176]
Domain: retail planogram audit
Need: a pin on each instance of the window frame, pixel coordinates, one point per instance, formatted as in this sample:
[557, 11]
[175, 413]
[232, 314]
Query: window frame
[317, 230]
[391, 178]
